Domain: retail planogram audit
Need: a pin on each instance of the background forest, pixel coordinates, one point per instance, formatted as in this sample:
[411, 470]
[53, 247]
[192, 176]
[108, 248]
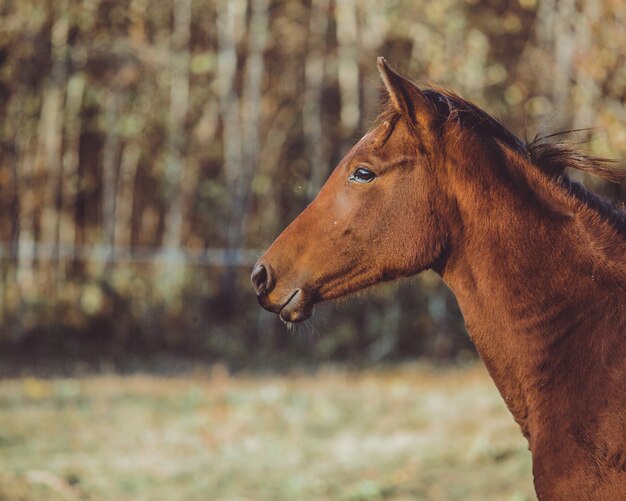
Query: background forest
[149, 152]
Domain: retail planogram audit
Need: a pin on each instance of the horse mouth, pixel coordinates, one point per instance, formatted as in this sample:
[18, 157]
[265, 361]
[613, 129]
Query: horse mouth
[296, 308]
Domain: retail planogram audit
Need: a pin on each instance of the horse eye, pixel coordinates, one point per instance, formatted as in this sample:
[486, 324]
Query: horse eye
[362, 175]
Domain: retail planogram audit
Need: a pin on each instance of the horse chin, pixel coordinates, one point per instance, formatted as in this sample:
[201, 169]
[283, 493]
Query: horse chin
[297, 308]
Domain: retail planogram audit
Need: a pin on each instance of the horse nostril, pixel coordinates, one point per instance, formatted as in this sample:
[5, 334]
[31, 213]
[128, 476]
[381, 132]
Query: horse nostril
[260, 279]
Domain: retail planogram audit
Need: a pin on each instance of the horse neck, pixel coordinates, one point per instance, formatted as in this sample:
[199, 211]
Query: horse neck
[535, 298]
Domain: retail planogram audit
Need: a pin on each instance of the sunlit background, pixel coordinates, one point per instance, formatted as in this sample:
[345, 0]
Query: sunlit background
[150, 151]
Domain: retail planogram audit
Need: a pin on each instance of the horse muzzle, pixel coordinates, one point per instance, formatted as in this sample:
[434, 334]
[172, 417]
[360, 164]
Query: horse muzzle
[291, 304]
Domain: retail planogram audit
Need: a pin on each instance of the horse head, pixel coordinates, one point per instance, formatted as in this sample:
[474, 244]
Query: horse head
[378, 216]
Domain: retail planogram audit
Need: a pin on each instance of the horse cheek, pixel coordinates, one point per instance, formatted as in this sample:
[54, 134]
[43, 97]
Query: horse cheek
[426, 238]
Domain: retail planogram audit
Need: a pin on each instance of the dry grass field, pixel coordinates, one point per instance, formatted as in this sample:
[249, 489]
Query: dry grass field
[401, 433]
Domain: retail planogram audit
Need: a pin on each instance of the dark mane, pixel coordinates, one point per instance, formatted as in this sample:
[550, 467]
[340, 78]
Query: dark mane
[551, 157]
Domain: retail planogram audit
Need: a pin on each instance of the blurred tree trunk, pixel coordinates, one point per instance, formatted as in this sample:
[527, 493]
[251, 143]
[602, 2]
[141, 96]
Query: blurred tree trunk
[588, 91]
[230, 17]
[125, 195]
[19, 275]
[171, 271]
[556, 35]
[372, 33]
[25, 140]
[176, 166]
[348, 67]
[110, 171]
[314, 72]
[49, 154]
[73, 104]
[251, 124]
[240, 132]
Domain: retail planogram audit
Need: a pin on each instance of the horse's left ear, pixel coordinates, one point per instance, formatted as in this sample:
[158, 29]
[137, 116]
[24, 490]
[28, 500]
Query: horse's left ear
[406, 98]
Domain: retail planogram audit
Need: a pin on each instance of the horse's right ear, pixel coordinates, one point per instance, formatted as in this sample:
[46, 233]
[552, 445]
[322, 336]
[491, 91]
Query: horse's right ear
[406, 98]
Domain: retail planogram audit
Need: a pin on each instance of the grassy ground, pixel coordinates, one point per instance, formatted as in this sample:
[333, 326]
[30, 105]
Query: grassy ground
[406, 433]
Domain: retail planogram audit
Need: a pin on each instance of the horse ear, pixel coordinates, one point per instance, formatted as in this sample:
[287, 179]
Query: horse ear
[406, 98]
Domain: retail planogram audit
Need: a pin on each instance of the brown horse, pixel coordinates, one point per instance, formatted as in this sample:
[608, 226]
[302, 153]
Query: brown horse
[537, 264]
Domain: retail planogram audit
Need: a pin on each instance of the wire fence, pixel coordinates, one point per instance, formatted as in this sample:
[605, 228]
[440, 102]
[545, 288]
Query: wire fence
[39, 251]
